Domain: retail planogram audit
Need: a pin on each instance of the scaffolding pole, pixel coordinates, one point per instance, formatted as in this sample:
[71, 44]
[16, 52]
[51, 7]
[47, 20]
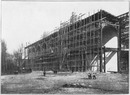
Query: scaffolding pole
[101, 42]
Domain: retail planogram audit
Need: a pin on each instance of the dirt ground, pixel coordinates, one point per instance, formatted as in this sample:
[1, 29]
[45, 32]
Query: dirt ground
[64, 83]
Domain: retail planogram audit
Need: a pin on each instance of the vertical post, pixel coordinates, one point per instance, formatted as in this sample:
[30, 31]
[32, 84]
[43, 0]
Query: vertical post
[94, 37]
[98, 44]
[74, 67]
[28, 59]
[101, 42]
[86, 60]
[81, 40]
[119, 46]
[82, 62]
[104, 60]
[89, 41]
[26, 56]
[86, 45]
[62, 31]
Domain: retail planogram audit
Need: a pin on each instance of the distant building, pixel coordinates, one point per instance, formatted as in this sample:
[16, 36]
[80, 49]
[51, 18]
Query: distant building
[99, 42]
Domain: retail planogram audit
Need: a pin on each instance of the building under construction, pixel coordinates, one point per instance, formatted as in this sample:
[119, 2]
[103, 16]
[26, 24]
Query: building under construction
[99, 42]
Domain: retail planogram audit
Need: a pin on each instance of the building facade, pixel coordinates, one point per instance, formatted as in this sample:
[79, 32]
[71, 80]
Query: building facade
[91, 43]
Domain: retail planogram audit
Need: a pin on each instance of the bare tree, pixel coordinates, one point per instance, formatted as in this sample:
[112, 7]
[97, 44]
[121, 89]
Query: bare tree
[10, 65]
[18, 56]
[7, 60]
[3, 56]
[44, 34]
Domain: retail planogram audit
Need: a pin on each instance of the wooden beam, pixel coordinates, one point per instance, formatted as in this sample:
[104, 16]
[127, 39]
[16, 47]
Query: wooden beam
[101, 43]
[111, 49]
[119, 47]
[104, 60]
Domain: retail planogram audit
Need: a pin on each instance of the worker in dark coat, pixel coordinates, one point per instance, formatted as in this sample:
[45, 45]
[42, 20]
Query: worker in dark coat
[94, 76]
[44, 71]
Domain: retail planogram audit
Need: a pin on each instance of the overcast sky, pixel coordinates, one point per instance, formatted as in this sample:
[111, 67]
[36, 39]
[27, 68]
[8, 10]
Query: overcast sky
[26, 21]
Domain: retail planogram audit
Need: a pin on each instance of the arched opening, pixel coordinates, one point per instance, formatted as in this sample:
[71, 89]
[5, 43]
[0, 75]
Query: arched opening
[110, 41]
[109, 53]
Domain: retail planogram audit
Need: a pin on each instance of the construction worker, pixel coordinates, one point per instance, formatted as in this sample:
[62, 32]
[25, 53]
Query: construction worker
[94, 76]
[44, 72]
[89, 76]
